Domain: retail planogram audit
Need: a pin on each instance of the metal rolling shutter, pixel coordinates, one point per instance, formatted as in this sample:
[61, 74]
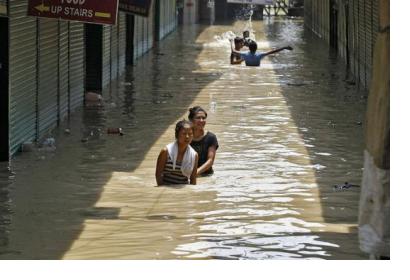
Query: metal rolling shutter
[356, 40]
[63, 70]
[136, 36]
[122, 30]
[106, 55]
[23, 82]
[352, 38]
[151, 27]
[321, 19]
[47, 74]
[168, 17]
[114, 52]
[308, 13]
[172, 15]
[76, 65]
[162, 20]
[362, 43]
[375, 21]
[369, 40]
[145, 35]
[140, 36]
[326, 21]
[342, 32]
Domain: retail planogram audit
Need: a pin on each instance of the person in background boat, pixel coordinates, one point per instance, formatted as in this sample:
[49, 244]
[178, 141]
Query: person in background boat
[236, 58]
[204, 142]
[253, 58]
[177, 163]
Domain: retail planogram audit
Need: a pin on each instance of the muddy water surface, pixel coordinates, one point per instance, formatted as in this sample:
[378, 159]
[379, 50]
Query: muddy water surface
[288, 132]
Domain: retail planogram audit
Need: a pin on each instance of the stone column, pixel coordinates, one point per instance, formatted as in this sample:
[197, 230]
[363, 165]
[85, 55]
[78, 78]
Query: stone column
[374, 208]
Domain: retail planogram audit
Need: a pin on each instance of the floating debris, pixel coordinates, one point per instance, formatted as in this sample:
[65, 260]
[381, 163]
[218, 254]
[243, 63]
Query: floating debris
[345, 186]
[115, 130]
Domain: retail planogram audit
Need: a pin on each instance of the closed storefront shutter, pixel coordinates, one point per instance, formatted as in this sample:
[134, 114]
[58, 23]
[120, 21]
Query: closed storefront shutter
[166, 18]
[140, 35]
[145, 37]
[352, 37]
[114, 52]
[76, 64]
[122, 29]
[22, 75]
[341, 17]
[106, 55]
[172, 14]
[151, 27]
[47, 74]
[163, 19]
[362, 43]
[357, 41]
[369, 39]
[136, 36]
[63, 70]
[375, 21]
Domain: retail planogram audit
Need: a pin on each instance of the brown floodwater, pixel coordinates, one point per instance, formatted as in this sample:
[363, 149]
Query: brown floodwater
[288, 132]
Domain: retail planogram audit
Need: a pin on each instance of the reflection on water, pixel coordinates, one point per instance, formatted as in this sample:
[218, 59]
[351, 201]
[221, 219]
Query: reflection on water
[288, 132]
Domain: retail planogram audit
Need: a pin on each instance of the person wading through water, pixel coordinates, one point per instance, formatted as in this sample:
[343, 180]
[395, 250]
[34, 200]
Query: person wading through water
[177, 163]
[204, 142]
[253, 58]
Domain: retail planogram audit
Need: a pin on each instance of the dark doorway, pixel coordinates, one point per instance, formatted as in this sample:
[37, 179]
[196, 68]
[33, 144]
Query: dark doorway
[221, 11]
[4, 89]
[333, 23]
[93, 56]
[180, 11]
[157, 20]
[129, 45]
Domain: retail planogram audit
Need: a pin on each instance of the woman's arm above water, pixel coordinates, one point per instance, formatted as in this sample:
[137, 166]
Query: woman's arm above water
[161, 162]
[209, 162]
[192, 179]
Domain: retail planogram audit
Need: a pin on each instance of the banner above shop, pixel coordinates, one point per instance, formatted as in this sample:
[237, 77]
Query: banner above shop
[93, 11]
[138, 7]
[254, 2]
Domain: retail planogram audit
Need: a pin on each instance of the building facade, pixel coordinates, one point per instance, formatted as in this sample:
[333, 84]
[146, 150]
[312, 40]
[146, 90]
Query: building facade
[351, 27]
[46, 65]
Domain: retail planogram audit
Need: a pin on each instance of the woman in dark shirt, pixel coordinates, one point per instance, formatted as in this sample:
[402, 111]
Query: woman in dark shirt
[204, 142]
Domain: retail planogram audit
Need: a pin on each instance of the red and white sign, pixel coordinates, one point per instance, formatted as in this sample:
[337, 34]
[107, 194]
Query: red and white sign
[93, 11]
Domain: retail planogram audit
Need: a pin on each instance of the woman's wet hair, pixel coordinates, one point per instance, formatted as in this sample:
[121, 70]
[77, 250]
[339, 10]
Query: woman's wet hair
[195, 110]
[180, 125]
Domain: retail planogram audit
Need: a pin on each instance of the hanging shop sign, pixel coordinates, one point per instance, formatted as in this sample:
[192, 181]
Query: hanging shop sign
[254, 2]
[138, 7]
[93, 11]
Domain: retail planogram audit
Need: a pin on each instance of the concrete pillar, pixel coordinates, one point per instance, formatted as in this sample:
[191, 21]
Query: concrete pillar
[374, 210]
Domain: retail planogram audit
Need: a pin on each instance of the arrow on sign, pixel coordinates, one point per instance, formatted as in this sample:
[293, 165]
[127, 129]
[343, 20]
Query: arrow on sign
[42, 8]
[104, 15]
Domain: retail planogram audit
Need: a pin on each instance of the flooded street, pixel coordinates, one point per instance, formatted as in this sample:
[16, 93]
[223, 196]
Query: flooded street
[288, 131]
